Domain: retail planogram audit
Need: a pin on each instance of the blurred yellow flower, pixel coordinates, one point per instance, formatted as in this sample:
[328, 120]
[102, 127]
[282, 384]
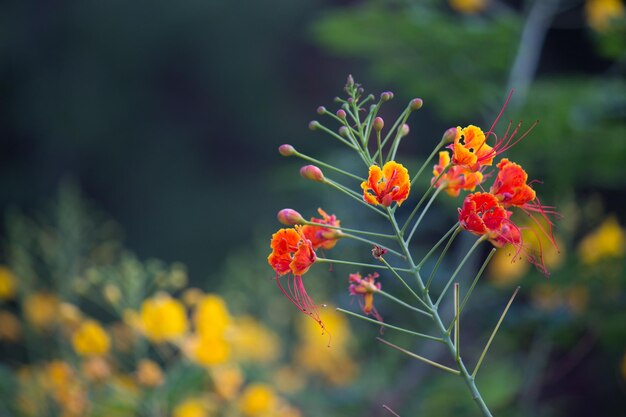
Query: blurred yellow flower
[91, 339]
[70, 316]
[192, 407]
[149, 373]
[227, 380]
[211, 317]
[599, 13]
[112, 293]
[96, 369]
[252, 341]
[623, 366]
[504, 269]
[207, 351]
[313, 354]
[163, 318]
[40, 309]
[8, 283]
[10, 327]
[257, 400]
[468, 6]
[607, 241]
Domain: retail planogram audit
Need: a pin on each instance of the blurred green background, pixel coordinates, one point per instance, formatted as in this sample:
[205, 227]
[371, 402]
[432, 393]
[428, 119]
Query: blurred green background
[167, 117]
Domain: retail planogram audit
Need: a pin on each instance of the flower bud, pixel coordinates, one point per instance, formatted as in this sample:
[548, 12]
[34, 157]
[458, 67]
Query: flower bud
[378, 252]
[321, 110]
[416, 104]
[341, 114]
[286, 150]
[349, 82]
[311, 172]
[386, 96]
[343, 131]
[449, 135]
[314, 124]
[404, 130]
[379, 123]
[290, 217]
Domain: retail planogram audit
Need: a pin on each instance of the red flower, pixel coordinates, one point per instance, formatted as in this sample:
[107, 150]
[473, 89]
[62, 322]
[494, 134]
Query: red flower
[385, 186]
[320, 236]
[457, 178]
[511, 189]
[482, 215]
[365, 288]
[293, 254]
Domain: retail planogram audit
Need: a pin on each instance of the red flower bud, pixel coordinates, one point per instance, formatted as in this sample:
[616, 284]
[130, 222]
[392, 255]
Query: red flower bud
[314, 124]
[404, 130]
[449, 135]
[343, 131]
[321, 110]
[416, 104]
[379, 123]
[341, 114]
[290, 217]
[386, 96]
[311, 172]
[286, 150]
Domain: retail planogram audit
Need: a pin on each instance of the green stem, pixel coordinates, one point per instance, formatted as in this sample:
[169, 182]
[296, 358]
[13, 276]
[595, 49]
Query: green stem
[345, 229]
[427, 161]
[421, 358]
[395, 125]
[426, 194]
[434, 248]
[407, 286]
[467, 378]
[338, 137]
[402, 303]
[337, 261]
[417, 223]
[383, 324]
[458, 268]
[324, 164]
[360, 200]
[493, 334]
[360, 239]
[443, 253]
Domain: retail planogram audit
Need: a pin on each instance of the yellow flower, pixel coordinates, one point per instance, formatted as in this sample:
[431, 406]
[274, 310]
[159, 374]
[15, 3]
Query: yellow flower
[227, 380]
[257, 400]
[192, 407]
[336, 323]
[8, 283]
[503, 269]
[149, 373]
[599, 13]
[40, 309]
[468, 6]
[252, 341]
[191, 296]
[211, 317]
[10, 327]
[207, 351]
[163, 318]
[607, 241]
[91, 339]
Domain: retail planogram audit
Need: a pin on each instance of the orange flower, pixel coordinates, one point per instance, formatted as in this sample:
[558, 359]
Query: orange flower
[365, 287]
[293, 254]
[323, 237]
[510, 186]
[511, 189]
[457, 178]
[470, 148]
[385, 186]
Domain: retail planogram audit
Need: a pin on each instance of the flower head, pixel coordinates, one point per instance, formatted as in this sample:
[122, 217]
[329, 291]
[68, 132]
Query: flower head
[385, 186]
[163, 318]
[320, 236]
[91, 339]
[293, 254]
[483, 215]
[470, 148]
[457, 178]
[511, 189]
[365, 288]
